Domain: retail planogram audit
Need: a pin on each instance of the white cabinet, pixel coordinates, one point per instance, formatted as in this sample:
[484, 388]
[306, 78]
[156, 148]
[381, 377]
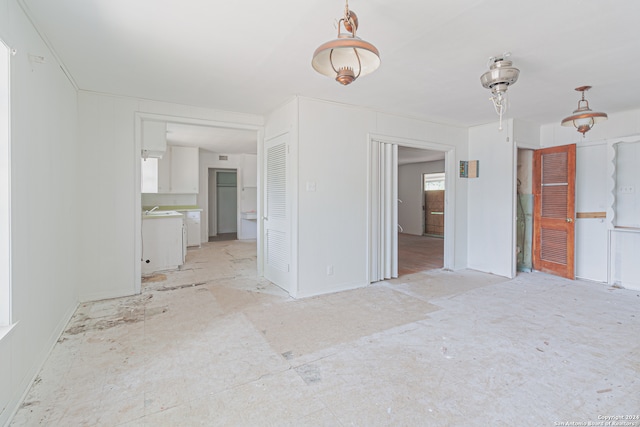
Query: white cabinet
[176, 172]
[193, 227]
[184, 170]
[154, 139]
[149, 175]
[164, 173]
[162, 243]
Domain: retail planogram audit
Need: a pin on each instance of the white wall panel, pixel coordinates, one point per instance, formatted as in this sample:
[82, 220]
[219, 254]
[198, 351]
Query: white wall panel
[591, 196]
[625, 268]
[333, 182]
[591, 249]
[109, 188]
[45, 203]
[491, 245]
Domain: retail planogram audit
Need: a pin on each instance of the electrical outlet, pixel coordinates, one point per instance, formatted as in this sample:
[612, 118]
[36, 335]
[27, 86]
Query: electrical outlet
[329, 270]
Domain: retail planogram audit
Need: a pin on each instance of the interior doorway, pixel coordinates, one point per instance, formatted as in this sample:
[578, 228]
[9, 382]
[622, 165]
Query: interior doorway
[524, 210]
[421, 248]
[223, 204]
[414, 251]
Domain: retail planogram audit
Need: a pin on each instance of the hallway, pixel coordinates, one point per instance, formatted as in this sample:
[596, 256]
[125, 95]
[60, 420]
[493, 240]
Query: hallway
[213, 345]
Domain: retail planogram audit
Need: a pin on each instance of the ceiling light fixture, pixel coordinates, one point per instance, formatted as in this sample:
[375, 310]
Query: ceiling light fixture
[583, 118]
[347, 57]
[500, 76]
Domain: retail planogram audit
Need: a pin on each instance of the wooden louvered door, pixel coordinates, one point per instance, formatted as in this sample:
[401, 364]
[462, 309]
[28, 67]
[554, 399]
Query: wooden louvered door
[554, 171]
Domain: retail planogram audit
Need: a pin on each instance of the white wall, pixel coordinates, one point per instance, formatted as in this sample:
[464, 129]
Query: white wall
[159, 199]
[491, 200]
[592, 194]
[333, 154]
[45, 207]
[594, 166]
[333, 219]
[411, 192]
[110, 149]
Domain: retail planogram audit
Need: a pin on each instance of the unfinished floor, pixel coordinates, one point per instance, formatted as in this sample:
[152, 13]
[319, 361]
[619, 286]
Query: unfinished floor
[213, 345]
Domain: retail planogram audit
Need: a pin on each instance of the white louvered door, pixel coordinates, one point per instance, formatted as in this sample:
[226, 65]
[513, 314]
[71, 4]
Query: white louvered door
[277, 236]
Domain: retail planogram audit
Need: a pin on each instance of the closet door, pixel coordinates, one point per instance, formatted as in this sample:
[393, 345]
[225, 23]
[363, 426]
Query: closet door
[277, 215]
[554, 171]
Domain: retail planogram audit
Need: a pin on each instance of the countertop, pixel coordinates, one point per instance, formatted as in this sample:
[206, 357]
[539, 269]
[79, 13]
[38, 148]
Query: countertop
[161, 214]
[179, 208]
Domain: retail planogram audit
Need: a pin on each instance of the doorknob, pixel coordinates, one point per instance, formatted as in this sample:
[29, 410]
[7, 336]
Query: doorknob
[265, 218]
[569, 219]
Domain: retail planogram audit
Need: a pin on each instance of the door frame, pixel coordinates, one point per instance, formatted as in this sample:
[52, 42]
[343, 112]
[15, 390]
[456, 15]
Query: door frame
[450, 193]
[424, 200]
[213, 207]
[139, 117]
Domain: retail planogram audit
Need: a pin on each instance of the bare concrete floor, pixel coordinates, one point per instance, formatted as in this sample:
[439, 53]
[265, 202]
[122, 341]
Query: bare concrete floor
[213, 345]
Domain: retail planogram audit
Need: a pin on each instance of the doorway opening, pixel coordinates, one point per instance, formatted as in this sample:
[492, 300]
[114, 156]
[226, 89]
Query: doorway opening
[433, 204]
[398, 244]
[223, 204]
[524, 210]
[221, 145]
[421, 191]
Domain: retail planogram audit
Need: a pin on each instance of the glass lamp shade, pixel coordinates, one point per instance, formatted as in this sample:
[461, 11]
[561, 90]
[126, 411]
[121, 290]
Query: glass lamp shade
[336, 57]
[583, 119]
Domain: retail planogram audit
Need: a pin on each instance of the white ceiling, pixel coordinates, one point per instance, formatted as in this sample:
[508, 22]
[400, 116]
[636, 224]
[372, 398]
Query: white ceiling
[250, 56]
[217, 140]
[408, 155]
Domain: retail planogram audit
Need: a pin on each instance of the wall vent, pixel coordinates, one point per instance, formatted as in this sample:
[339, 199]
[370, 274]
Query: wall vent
[223, 157]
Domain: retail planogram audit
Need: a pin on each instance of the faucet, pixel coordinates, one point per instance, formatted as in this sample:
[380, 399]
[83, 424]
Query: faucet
[151, 210]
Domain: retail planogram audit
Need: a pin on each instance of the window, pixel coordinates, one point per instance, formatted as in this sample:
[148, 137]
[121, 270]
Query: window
[5, 201]
[433, 181]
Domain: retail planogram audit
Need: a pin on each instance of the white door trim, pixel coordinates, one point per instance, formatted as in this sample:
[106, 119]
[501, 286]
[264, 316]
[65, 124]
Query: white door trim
[450, 191]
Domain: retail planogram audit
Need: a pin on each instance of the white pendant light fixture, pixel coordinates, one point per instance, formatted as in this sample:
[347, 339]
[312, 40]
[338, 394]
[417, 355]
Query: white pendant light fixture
[347, 57]
[583, 118]
[500, 76]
